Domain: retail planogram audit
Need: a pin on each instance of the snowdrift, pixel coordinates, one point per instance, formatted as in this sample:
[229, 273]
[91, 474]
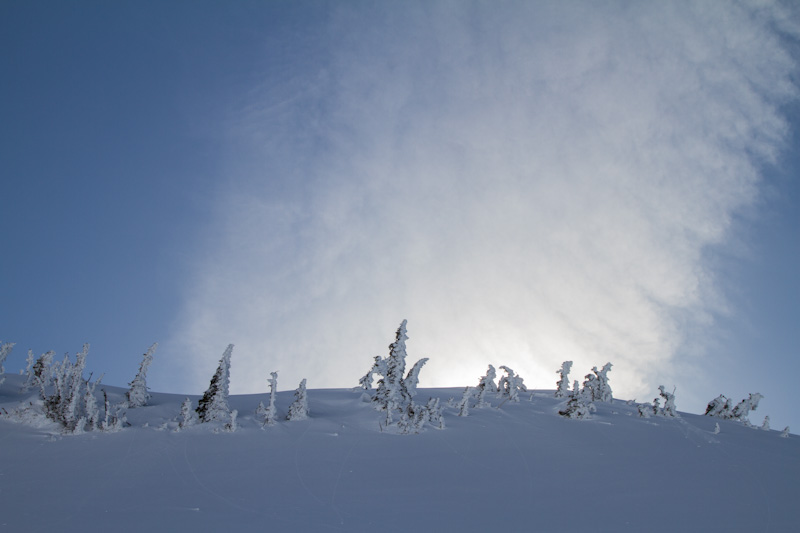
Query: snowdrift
[519, 467]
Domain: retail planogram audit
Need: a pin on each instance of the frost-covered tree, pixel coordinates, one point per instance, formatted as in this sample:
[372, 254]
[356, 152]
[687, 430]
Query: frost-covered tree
[765, 425]
[231, 425]
[5, 349]
[510, 385]
[137, 395]
[486, 385]
[463, 405]
[785, 432]
[392, 393]
[187, 416]
[40, 372]
[742, 410]
[412, 378]
[435, 417]
[646, 410]
[299, 408]
[114, 416]
[562, 385]
[720, 407]
[579, 406]
[669, 402]
[90, 405]
[29, 361]
[596, 386]
[267, 415]
[214, 403]
[378, 367]
[606, 395]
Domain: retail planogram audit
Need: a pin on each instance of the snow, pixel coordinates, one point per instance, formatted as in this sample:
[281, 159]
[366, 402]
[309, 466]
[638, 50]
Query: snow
[522, 465]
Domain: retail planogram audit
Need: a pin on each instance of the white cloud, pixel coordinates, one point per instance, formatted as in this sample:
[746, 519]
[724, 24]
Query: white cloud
[525, 183]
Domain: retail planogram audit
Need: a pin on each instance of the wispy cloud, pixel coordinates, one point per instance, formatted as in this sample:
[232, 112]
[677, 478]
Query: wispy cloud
[524, 182]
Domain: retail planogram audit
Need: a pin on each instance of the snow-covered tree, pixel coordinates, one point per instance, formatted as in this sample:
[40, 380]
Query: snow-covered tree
[435, 417]
[463, 405]
[486, 385]
[412, 379]
[785, 432]
[716, 428]
[596, 386]
[646, 410]
[765, 425]
[40, 373]
[299, 408]
[510, 385]
[267, 415]
[29, 361]
[187, 416]
[214, 403]
[231, 425]
[392, 393]
[378, 367]
[5, 349]
[580, 404]
[138, 395]
[90, 405]
[743, 408]
[669, 402]
[720, 407]
[562, 385]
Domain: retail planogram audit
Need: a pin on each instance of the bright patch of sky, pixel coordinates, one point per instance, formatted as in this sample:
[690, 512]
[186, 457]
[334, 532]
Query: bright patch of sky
[526, 183]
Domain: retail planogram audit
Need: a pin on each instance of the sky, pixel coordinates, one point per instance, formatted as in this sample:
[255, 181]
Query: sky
[525, 183]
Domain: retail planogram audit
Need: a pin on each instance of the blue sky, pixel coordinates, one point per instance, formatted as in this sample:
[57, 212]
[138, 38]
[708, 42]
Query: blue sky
[525, 183]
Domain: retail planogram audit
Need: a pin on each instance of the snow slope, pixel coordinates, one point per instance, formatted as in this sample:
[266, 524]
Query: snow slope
[517, 468]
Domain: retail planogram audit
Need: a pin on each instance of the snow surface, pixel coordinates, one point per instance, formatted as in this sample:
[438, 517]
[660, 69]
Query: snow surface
[517, 468]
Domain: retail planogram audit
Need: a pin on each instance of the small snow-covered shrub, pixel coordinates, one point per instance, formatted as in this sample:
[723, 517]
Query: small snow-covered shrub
[63, 399]
[765, 425]
[785, 432]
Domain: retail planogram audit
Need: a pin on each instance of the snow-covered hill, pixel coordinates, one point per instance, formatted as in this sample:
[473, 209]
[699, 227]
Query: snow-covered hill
[519, 467]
